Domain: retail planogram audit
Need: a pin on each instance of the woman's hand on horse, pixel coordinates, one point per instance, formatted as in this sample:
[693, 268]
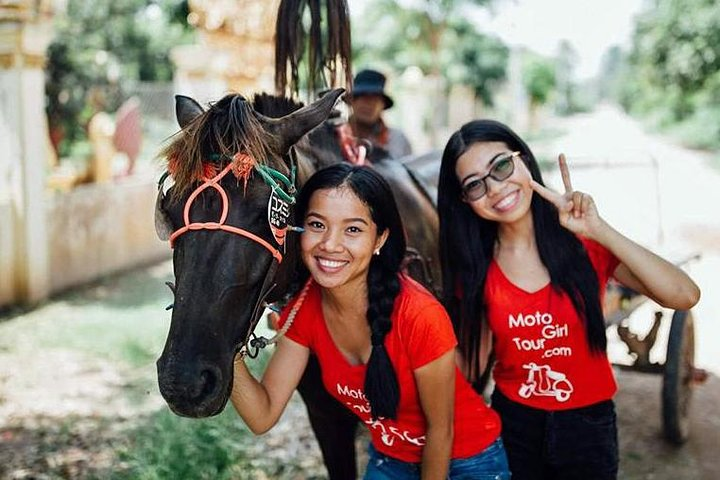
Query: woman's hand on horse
[576, 210]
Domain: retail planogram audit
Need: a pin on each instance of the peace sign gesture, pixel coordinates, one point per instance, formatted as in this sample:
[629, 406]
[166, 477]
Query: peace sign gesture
[576, 210]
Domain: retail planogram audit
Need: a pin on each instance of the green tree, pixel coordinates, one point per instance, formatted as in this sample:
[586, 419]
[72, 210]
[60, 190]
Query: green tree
[435, 36]
[474, 59]
[673, 67]
[99, 48]
[612, 68]
[539, 82]
[565, 63]
[412, 35]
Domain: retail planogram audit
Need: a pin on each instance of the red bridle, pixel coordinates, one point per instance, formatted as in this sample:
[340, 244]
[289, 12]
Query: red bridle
[221, 225]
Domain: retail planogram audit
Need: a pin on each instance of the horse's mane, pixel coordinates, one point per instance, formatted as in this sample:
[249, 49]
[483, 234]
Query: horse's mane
[320, 146]
[274, 106]
[213, 139]
[293, 42]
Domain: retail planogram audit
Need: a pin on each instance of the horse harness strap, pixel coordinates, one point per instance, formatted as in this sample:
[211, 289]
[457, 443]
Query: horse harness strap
[352, 149]
[258, 343]
[220, 225]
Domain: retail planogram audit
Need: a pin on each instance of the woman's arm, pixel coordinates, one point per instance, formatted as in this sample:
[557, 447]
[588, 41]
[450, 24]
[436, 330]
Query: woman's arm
[436, 388]
[639, 268]
[260, 404]
[647, 273]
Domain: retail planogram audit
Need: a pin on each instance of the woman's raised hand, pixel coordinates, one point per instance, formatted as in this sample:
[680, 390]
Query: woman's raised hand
[577, 211]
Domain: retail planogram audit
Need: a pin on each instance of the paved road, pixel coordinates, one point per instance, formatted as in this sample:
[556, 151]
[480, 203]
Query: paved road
[659, 194]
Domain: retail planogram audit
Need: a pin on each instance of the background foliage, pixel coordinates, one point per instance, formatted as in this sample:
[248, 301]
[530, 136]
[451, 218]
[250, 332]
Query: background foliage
[672, 73]
[101, 48]
[435, 36]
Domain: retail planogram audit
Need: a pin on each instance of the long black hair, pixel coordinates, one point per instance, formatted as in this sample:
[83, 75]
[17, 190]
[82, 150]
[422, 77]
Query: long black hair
[383, 282]
[467, 243]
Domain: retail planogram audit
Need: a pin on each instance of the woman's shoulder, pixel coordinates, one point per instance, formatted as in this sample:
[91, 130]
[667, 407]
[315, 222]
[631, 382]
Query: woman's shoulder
[422, 324]
[415, 301]
[414, 295]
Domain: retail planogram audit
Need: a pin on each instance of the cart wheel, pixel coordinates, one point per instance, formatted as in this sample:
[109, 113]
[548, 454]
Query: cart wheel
[678, 377]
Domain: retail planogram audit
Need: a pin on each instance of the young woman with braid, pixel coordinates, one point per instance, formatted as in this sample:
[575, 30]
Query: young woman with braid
[386, 347]
[530, 265]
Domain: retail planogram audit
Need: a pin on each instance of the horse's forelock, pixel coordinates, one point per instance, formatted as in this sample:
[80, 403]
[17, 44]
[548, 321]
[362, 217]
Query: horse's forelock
[227, 128]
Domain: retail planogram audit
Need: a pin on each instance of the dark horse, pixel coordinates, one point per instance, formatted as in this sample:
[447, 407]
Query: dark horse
[227, 218]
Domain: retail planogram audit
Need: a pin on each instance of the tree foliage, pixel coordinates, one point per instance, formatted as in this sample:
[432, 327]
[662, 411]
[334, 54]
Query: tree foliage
[101, 47]
[474, 59]
[673, 68]
[539, 80]
[433, 35]
[565, 62]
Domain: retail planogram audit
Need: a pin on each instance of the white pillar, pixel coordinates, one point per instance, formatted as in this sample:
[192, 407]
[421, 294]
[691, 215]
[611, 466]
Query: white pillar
[24, 36]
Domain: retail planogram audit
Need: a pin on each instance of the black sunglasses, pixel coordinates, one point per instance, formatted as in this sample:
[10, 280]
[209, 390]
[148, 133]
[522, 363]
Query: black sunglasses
[501, 170]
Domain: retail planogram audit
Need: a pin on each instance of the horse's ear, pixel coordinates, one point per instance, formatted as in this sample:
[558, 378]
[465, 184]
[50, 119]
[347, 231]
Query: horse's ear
[186, 110]
[290, 128]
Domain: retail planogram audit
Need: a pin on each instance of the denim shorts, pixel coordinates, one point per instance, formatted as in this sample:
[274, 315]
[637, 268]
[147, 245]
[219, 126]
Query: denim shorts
[490, 464]
[580, 443]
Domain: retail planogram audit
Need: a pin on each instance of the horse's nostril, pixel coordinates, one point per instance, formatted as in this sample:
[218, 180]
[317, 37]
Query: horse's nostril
[209, 381]
[206, 385]
[194, 390]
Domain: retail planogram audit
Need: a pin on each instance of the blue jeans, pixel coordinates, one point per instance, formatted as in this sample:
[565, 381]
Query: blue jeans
[490, 464]
[580, 443]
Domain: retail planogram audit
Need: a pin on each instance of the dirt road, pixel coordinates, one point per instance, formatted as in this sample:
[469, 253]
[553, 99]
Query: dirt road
[644, 455]
[659, 194]
[666, 197]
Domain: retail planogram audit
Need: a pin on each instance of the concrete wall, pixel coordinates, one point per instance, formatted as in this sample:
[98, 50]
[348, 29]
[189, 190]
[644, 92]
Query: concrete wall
[93, 230]
[98, 229]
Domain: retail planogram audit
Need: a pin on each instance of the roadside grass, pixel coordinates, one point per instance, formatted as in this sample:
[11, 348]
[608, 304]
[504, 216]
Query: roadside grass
[699, 131]
[165, 446]
[121, 320]
[542, 135]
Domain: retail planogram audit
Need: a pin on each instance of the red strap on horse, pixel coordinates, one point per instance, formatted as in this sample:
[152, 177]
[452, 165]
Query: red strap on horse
[220, 225]
[351, 150]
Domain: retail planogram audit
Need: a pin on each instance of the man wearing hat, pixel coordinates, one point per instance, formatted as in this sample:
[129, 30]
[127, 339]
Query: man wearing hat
[368, 100]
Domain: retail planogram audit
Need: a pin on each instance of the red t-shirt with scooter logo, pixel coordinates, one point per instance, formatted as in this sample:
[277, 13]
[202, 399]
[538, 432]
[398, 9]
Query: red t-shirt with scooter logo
[421, 332]
[543, 358]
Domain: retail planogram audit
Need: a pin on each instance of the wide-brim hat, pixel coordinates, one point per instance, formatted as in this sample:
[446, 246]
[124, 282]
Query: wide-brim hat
[371, 82]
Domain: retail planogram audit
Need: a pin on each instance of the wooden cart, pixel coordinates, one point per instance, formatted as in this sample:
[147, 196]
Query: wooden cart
[679, 373]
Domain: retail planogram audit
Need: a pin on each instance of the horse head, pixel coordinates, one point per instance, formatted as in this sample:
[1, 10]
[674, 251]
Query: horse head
[226, 218]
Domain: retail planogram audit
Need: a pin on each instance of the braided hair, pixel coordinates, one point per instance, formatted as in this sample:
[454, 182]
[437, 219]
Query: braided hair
[383, 282]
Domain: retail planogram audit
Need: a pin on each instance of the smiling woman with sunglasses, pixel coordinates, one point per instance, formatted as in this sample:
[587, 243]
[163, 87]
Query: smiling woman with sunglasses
[524, 271]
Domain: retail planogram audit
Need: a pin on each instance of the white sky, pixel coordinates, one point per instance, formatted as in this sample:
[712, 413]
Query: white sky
[591, 26]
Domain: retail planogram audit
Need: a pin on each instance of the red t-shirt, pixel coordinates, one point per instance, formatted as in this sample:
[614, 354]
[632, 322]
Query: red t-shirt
[421, 333]
[543, 358]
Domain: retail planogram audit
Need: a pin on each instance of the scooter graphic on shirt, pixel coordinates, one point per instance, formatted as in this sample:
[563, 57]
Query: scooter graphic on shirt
[544, 382]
